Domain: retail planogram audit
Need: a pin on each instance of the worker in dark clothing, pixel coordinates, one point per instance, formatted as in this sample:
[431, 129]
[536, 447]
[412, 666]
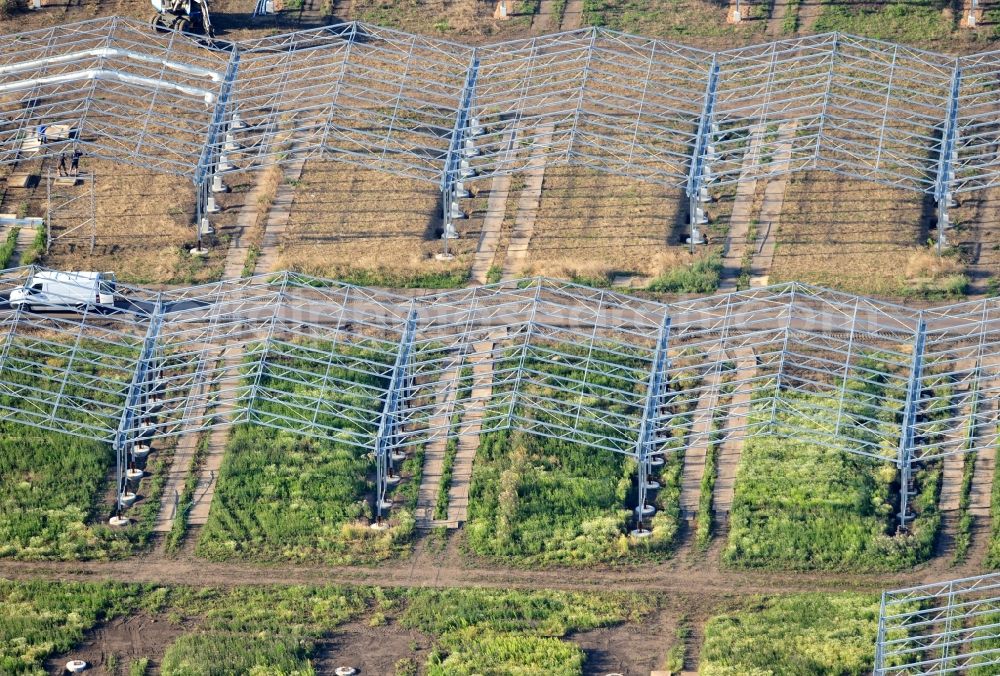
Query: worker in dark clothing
[62, 165]
[74, 166]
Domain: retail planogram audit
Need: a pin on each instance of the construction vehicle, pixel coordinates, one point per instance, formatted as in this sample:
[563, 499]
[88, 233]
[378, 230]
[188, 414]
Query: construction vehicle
[186, 16]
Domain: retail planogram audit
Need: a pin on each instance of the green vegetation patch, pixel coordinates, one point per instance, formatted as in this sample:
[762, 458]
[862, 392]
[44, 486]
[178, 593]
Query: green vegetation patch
[672, 18]
[702, 276]
[38, 619]
[800, 635]
[52, 485]
[285, 496]
[512, 632]
[911, 21]
[536, 500]
[800, 504]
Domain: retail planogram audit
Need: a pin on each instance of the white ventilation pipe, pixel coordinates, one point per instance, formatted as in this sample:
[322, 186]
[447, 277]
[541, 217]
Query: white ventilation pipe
[111, 53]
[101, 74]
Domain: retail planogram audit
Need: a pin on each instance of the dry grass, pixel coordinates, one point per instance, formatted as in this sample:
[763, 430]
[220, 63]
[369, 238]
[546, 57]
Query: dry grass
[594, 225]
[848, 234]
[359, 224]
[144, 226]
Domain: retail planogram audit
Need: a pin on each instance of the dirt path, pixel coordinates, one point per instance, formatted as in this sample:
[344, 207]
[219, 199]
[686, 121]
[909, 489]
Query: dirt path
[985, 258]
[739, 220]
[527, 206]
[695, 454]
[278, 217]
[472, 422]
[809, 13]
[776, 22]
[983, 472]
[543, 18]
[232, 358]
[770, 209]
[693, 576]
[732, 446]
[25, 237]
[496, 211]
[434, 451]
[239, 246]
[572, 15]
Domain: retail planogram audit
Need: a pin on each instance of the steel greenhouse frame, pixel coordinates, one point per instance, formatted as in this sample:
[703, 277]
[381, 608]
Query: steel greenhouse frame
[156, 367]
[939, 628]
[443, 112]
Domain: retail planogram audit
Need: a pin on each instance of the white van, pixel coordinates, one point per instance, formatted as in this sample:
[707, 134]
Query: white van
[66, 290]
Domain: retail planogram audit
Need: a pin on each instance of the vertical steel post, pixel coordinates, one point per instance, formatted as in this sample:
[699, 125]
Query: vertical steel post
[651, 411]
[456, 146]
[696, 178]
[880, 640]
[904, 457]
[136, 395]
[386, 437]
[945, 169]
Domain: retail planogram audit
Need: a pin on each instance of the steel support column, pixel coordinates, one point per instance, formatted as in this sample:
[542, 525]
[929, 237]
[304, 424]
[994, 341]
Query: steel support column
[646, 440]
[946, 165]
[135, 399]
[387, 436]
[904, 457]
[209, 160]
[697, 173]
[456, 148]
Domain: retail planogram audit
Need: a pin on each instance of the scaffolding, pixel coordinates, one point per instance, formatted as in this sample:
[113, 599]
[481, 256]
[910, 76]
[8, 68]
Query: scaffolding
[940, 628]
[442, 112]
[587, 366]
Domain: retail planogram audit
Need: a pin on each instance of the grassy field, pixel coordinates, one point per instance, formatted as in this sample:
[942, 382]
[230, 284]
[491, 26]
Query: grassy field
[858, 237]
[369, 227]
[41, 618]
[910, 21]
[676, 19]
[290, 630]
[56, 490]
[800, 504]
[799, 635]
[285, 496]
[591, 226]
[538, 501]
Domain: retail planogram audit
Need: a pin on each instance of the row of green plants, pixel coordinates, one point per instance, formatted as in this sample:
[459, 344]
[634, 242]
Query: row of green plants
[798, 635]
[276, 629]
[53, 486]
[914, 21]
[992, 559]
[447, 469]
[286, 495]
[538, 500]
[8, 247]
[799, 504]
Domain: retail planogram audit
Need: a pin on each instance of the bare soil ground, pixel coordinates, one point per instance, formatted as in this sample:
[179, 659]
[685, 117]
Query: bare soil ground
[978, 238]
[633, 649]
[847, 234]
[590, 224]
[126, 639]
[371, 650]
[349, 222]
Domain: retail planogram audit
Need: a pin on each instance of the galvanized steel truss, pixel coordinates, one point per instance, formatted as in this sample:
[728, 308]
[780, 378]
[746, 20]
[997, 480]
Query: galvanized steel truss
[940, 628]
[587, 366]
[439, 111]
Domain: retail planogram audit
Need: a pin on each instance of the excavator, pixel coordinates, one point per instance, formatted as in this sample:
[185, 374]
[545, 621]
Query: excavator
[182, 15]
